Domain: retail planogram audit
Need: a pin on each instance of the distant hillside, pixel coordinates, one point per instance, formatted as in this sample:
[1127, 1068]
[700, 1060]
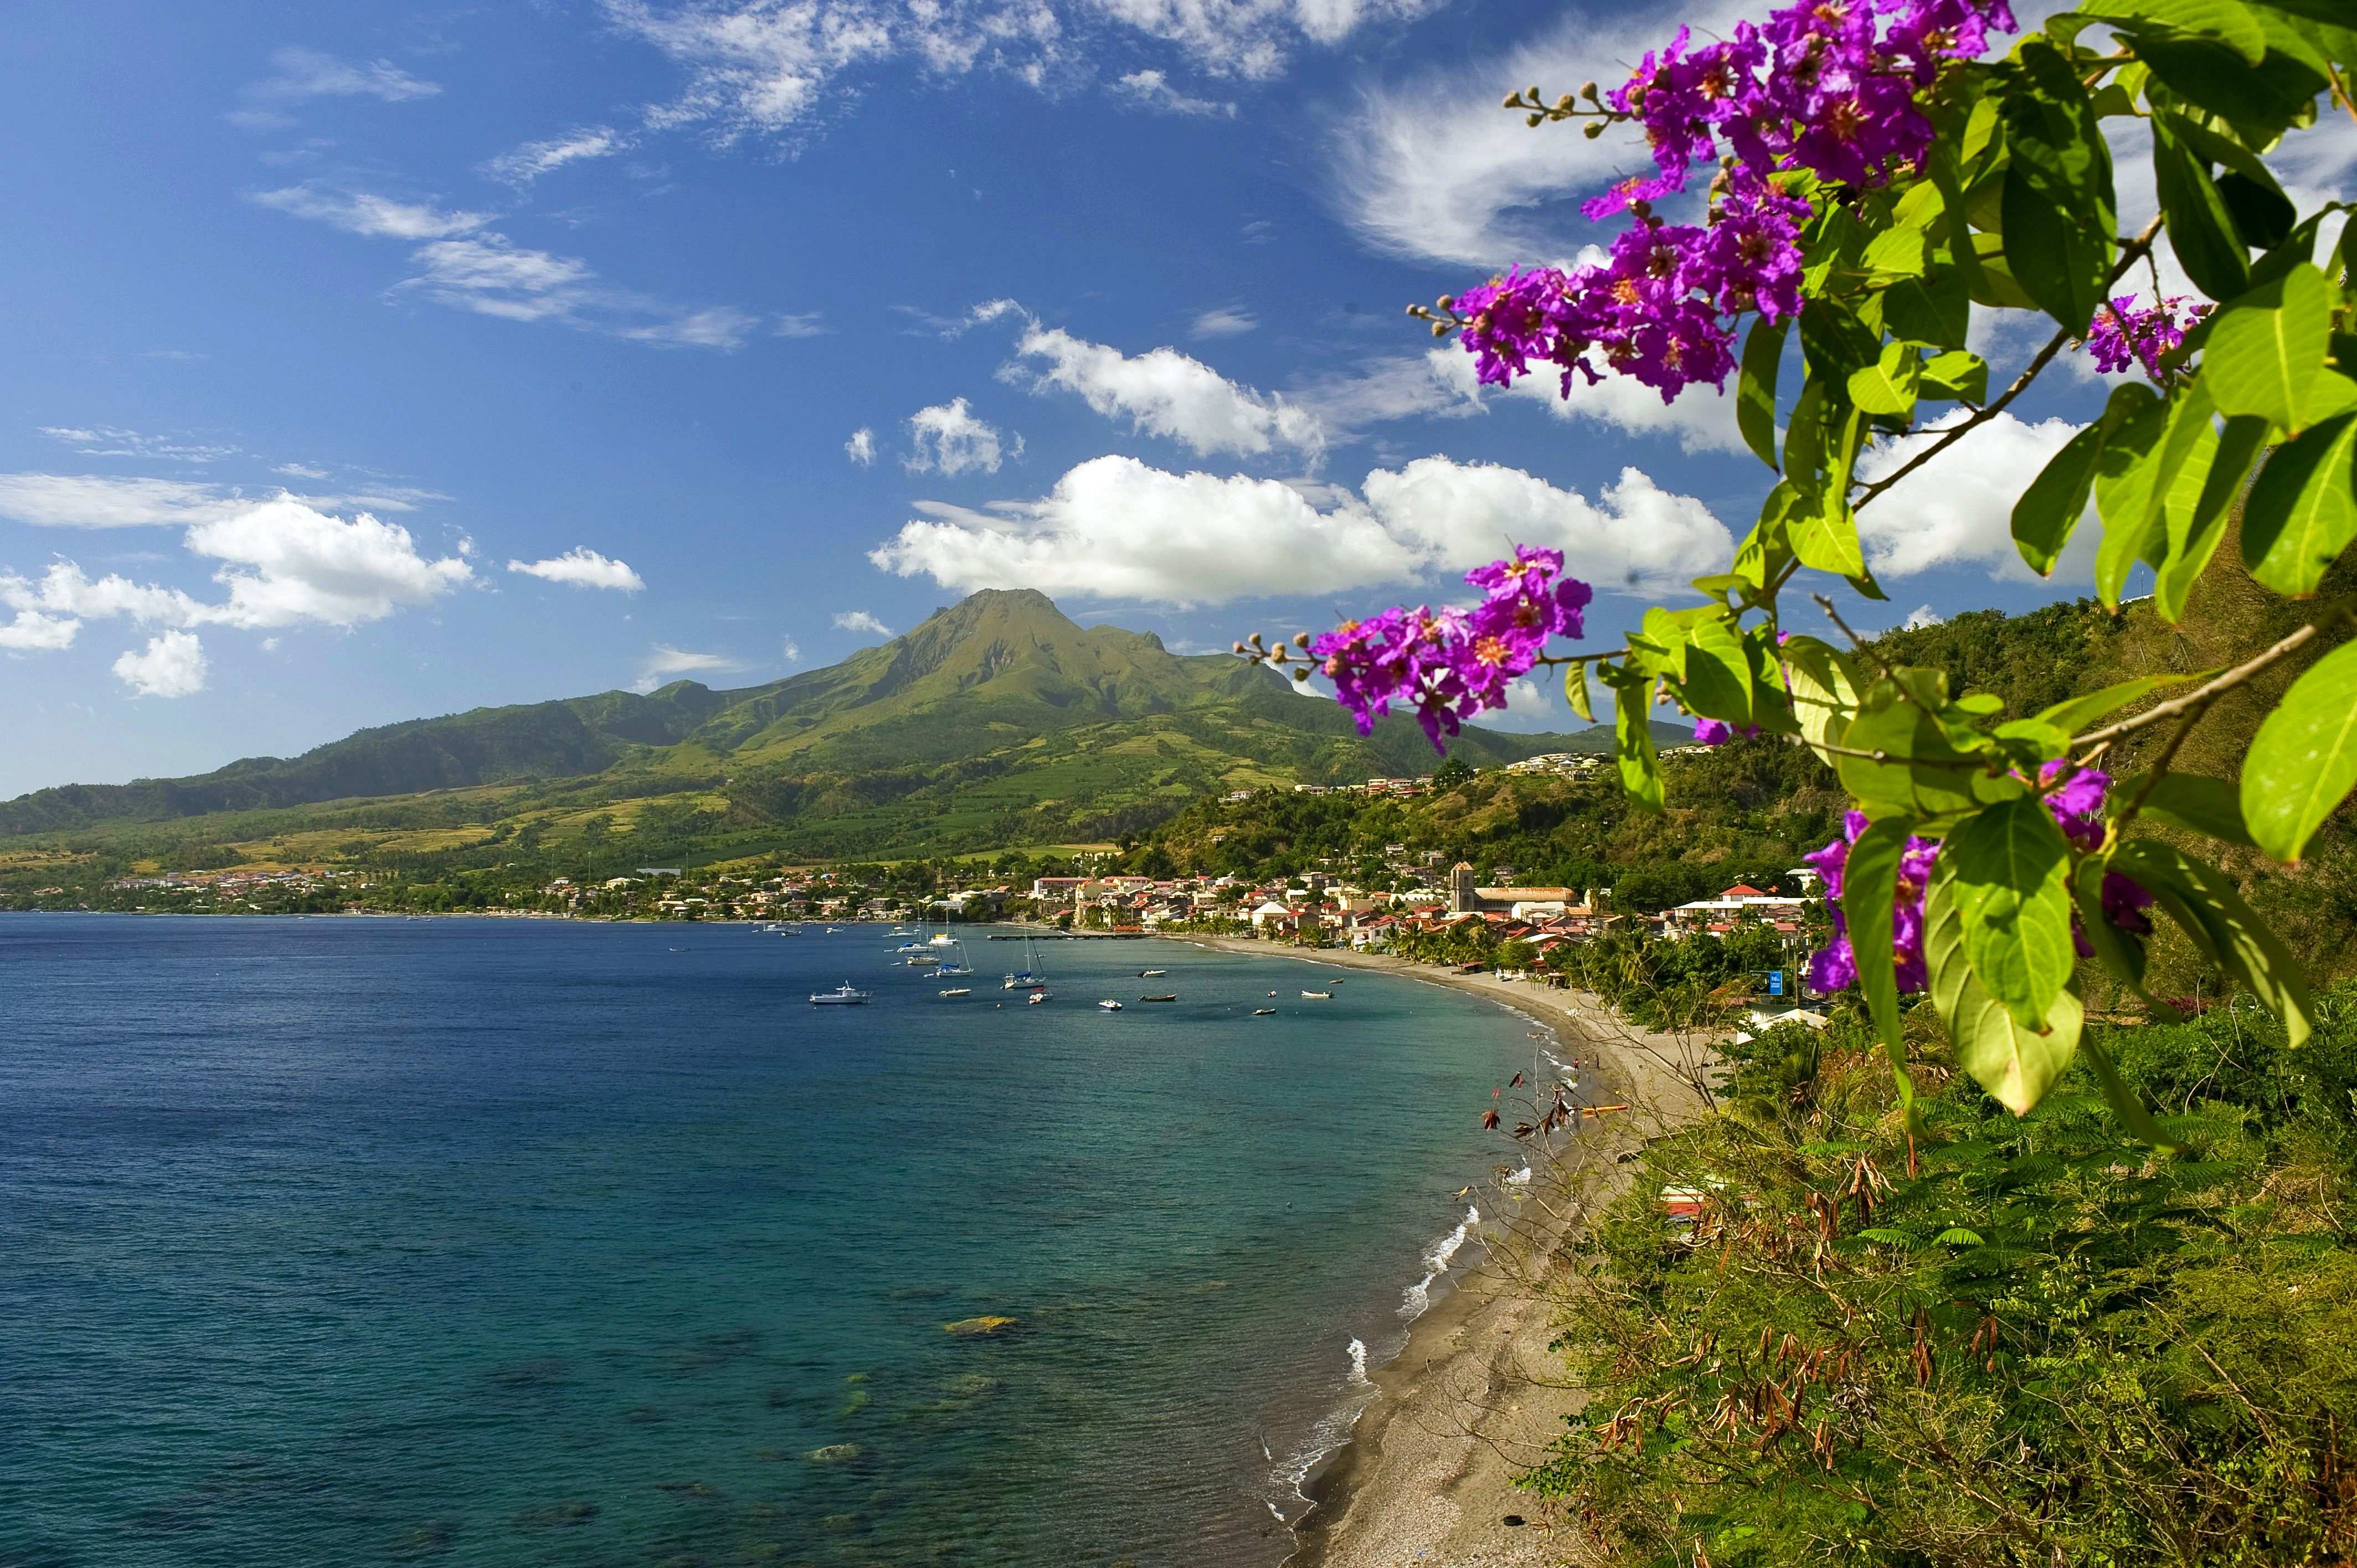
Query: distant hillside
[998, 720]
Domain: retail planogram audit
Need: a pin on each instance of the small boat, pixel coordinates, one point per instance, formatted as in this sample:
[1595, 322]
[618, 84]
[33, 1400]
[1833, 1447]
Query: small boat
[959, 990]
[943, 939]
[841, 996]
[1151, 973]
[1109, 1005]
[1171, 997]
[1263, 1012]
[1272, 994]
[920, 960]
[1320, 995]
[1037, 997]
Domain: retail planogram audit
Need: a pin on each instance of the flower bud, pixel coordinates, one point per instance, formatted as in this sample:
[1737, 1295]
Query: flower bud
[1446, 301]
[1302, 673]
[1301, 639]
[1514, 101]
[1440, 330]
[1595, 128]
[1533, 93]
[1587, 90]
[1565, 104]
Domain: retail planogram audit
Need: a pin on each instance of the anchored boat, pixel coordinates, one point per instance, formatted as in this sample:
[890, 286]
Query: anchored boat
[842, 995]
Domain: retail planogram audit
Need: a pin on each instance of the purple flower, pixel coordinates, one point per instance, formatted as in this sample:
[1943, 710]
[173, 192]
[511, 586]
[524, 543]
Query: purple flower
[1713, 732]
[1836, 967]
[2122, 335]
[2125, 904]
[1451, 665]
[2076, 801]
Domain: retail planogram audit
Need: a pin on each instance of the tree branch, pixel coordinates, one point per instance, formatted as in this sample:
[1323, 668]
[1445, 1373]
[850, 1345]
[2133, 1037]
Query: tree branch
[2202, 696]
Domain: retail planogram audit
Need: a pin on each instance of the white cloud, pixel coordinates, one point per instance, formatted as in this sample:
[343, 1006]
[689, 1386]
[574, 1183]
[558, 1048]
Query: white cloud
[286, 563]
[1922, 616]
[172, 666]
[33, 632]
[770, 68]
[377, 217]
[1225, 321]
[861, 621]
[461, 264]
[1433, 168]
[1114, 527]
[665, 663]
[300, 74]
[1152, 90]
[1168, 393]
[582, 568]
[1957, 510]
[91, 500]
[949, 438]
[521, 166]
[804, 324]
[66, 591]
[1440, 384]
[113, 441]
[861, 447]
[791, 651]
[300, 472]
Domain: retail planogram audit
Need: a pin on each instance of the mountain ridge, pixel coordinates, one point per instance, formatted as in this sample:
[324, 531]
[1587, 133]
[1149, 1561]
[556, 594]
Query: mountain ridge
[998, 702]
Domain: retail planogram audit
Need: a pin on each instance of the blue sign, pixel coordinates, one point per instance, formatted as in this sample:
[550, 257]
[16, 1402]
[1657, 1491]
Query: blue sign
[1775, 983]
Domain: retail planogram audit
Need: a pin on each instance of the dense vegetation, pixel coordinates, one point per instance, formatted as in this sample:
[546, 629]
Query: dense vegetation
[2008, 1341]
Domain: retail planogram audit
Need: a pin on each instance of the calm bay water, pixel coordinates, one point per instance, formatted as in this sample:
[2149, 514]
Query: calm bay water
[347, 1240]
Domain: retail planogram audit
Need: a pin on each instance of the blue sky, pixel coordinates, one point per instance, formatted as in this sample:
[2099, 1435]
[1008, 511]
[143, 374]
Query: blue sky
[363, 363]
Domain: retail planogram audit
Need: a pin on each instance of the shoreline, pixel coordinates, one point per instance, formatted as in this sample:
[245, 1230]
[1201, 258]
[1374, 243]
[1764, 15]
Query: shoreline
[1427, 1472]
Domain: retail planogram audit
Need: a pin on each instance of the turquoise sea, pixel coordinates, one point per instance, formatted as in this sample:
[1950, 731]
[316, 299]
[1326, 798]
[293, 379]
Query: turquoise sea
[472, 1242]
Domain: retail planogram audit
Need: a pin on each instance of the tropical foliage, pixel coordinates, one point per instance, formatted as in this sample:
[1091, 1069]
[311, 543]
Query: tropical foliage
[1877, 188]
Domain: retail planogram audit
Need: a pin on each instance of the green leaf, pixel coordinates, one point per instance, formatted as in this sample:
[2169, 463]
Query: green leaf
[1910, 764]
[2126, 1102]
[2262, 99]
[2122, 956]
[2058, 204]
[1824, 533]
[2269, 346]
[2303, 761]
[2192, 534]
[1717, 683]
[2131, 480]
[1897, 253]
[2264, 214]
[1959, 373]
[2012, 891]
[1575, 692]
[2051, 507]
[1936, 310]
[1889, 385]
[2203, 902]
[1869, 899]
[1632, 743]
[1825, 697]
[2302, 514]
[2189, 800]
[1957, 1236]
[1755, 388]
[2076, 714]
[2230, 20]
[2201, 229]
[2017, 1066]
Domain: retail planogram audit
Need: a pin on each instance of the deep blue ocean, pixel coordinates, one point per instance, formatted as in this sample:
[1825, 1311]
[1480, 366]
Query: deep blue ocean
[346, 1240]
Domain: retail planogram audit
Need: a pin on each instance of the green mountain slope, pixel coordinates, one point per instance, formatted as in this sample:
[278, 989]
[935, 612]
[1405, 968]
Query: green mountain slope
[998, 720]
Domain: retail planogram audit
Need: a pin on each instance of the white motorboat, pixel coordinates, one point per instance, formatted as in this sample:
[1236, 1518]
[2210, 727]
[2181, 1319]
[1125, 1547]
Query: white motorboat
[842, 995]
[958, 991]
[1320, 995]
[1037, 997]
[1109, 1005]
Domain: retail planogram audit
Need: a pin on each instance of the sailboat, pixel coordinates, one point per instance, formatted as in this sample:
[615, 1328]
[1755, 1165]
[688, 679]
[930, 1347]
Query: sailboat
[1028, 976]
[957, 965]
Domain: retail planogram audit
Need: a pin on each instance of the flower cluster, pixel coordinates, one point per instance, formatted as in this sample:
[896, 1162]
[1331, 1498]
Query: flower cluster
[2075, 797]
[1819, 91]
[2121, 335]
[1835, 968]
[1450, 664]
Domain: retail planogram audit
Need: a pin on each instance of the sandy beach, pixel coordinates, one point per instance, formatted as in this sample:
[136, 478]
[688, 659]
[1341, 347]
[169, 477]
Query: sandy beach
[1475, 1397]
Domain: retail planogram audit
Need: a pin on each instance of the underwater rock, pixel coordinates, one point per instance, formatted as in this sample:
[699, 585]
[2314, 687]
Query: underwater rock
[972, 1385]
[552, 1516]
[977, 1325]
[432, 1538]
[688, 1489]
[855, 1403]
[833, 1454]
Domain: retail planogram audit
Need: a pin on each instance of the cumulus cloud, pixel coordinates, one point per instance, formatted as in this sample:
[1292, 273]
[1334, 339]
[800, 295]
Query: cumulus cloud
[173, 665]
[30, 631]
[791, 651]
[1114, 528]
[1956, 510]
[299, 74]
[582, 568]
[950, 438]
[1922, 616]
[1168, 393]
[861, 621]
[861, 447]
[461, 263]
[1430, 168]
[521, 166]
[1152, 90]
[1226, 321]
